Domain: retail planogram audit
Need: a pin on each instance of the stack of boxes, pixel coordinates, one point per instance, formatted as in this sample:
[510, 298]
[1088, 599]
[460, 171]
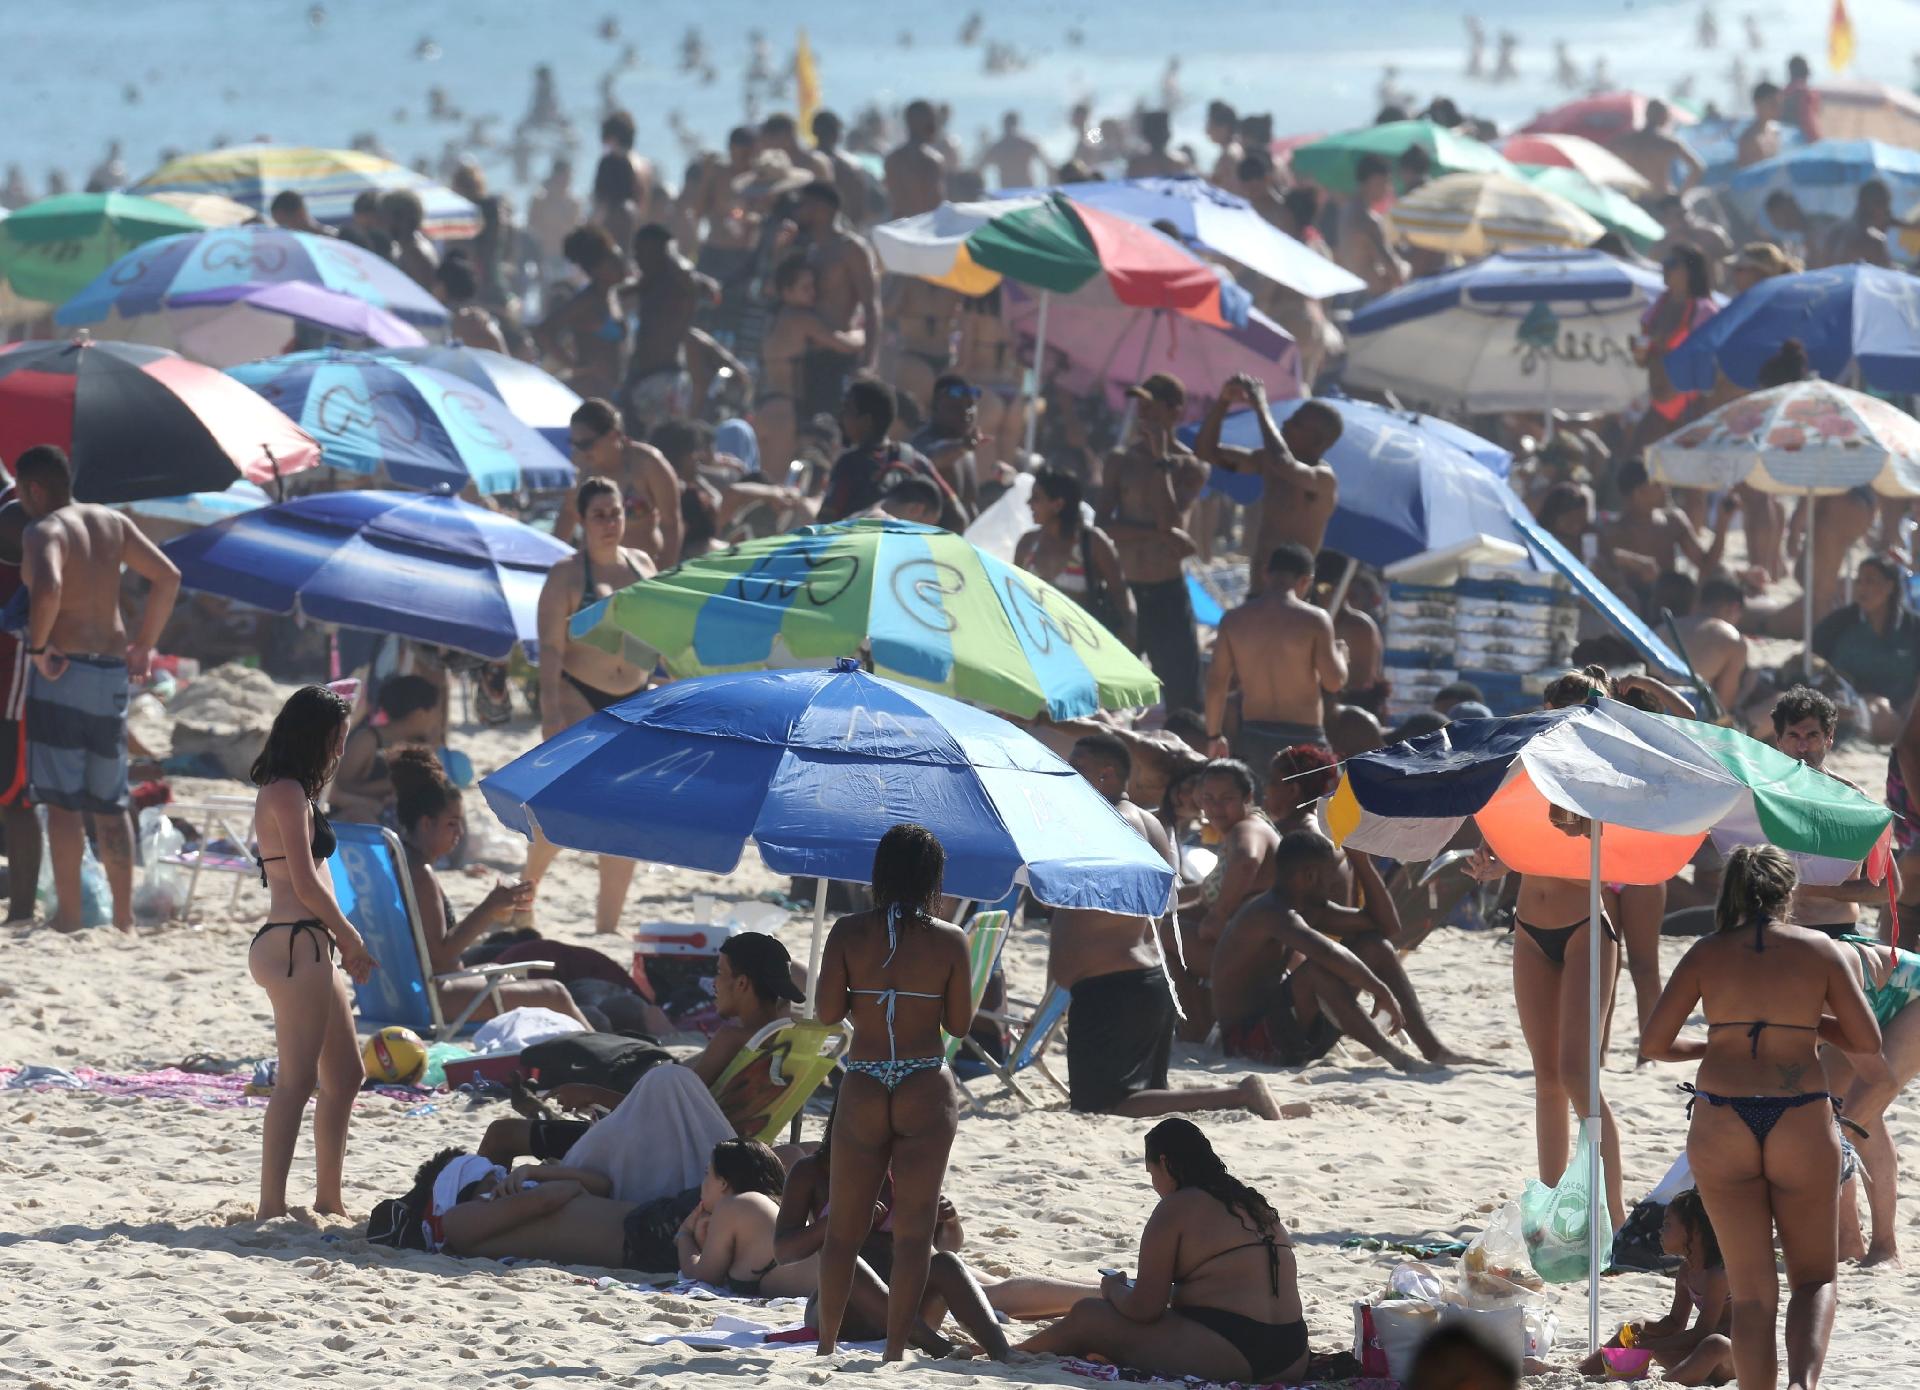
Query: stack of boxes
[1506, 629]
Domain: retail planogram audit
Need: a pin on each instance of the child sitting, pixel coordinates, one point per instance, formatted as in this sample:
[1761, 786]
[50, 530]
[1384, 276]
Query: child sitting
[728, 1239]
[1697, 1355]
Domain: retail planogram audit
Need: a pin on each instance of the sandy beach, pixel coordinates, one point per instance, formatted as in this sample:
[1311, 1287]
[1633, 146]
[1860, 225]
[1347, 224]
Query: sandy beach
[129, 1257]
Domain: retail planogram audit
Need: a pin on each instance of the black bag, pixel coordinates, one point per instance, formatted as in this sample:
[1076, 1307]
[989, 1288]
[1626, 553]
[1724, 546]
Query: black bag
[606, 1060]
[395, 1224]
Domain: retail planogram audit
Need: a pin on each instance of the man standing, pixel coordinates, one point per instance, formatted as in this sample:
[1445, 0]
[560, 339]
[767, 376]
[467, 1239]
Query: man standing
[780, 132]
[848, 175]
[1301, 491]
[916, 174]
[846, 281]
[1800, 104]
[668, 293]
[1652, 150]
[1146, 499]
[1804, 723]
[949, 437]
[1361, 245]
[1223, 128]
[1281, 652]
[1013, 159]
[649, 488]
[1156, 160]
[1120, 1021]
[1863, 236]
[1760, 139]
[82, 663]
[16, 806]
[873, 465]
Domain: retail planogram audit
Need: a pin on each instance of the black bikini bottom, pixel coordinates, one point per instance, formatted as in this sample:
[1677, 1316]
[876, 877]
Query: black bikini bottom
[1758, 1113]
[312, 924]
[1269, 1347]
[1552, 941]
[596, 698]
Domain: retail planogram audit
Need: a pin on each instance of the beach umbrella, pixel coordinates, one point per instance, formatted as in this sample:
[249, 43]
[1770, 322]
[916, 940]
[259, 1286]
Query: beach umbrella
[51, 249]
[535, 397]
[1109, 347]
[1825, 177]
[1475, 214]
[209, 209]
[1330, 161]
[433, 568]
[196, 509]
[1609, 207]
[1650, 789]
[1596, 163]
[237, 261]
[1858, 323]
[1534, 330]
[140, 422]
[226, 327]
[1224, 223]
[1807, 438]
[815, 767]
[1603, 118]
[329, 180]
[413, 425]
[924, 605]
[1860, 109]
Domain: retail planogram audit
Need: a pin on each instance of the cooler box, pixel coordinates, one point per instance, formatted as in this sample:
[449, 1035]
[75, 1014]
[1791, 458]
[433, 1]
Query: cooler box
[683, 949]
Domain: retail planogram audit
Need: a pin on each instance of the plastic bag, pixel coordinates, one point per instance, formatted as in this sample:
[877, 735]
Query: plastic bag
[1497, 1269]
[1387, 1335]
[162, 889]
[1554, 1220]
[96, 899]
[438, 1055]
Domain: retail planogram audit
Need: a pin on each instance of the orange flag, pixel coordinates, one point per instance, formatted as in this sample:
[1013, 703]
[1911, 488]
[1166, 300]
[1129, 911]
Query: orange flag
[1840, 38]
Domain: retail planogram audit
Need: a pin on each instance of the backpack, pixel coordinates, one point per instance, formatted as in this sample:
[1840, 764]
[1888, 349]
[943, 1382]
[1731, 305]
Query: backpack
[607, 1060]
[395, 1224]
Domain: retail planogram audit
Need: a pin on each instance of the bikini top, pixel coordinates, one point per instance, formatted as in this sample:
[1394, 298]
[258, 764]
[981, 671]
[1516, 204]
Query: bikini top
[892, 996]
[587, 596]
[1756, 1026]
[1273, 1259]
[322, 847]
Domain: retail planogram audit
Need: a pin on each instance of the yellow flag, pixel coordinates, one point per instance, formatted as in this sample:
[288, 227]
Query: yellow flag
[806, 84]
[1840, 38]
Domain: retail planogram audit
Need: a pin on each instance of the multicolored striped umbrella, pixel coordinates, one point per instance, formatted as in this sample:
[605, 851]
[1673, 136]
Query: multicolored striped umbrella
[1575, 152]
[929, 609]
[328, 179]
[51, 249]
[1478, 214]
[235, 261]
[1608, 206]
[413, 425]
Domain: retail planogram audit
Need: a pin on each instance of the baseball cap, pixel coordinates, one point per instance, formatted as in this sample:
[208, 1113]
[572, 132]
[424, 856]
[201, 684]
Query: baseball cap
[765, 963]
[1163, 388]
[953, 384]
[1764, 258]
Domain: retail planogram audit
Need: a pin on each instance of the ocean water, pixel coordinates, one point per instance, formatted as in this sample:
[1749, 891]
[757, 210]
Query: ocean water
[182, 74]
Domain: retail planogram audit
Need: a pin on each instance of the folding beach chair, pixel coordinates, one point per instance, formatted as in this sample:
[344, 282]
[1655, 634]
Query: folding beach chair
[375, 893]
[769, 1082]
[216, 818]
[1030, 1043]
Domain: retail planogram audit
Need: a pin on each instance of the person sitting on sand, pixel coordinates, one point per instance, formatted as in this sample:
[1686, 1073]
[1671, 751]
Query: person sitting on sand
[1242, 870]
[361, 789]
[1217, 1292]
[728, 1239]
[1697, 1355]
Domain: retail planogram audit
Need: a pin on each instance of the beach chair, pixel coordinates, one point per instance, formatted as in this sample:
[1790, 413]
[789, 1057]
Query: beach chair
[216, 818]
[1031, 1039]
[769, 1082]
[375, 893]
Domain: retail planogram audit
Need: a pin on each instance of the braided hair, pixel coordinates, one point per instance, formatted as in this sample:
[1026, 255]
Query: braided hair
[1191, 1162]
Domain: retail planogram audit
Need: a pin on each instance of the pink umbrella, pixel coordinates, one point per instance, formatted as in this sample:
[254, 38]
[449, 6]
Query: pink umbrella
[1601, 119]
[1110, 346]
[243, 323]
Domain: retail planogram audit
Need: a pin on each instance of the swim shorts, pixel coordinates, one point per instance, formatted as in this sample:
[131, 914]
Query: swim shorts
[1119, 1038]
[77, 735]
[649, 1229]
[1277, 1037]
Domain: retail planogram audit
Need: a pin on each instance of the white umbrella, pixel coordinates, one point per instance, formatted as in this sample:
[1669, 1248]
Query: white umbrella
[1578, 153]
[1474, 214]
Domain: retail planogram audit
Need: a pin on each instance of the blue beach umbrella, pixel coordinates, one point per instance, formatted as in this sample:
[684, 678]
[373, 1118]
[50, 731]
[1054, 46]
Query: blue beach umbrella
[434, 569]
[535, 397]
[238, 260]
[418, 427]
[1825, 177]
[1849, 317]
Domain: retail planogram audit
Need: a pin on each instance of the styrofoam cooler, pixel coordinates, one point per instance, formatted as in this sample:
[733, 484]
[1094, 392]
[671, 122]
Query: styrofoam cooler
[685, 943]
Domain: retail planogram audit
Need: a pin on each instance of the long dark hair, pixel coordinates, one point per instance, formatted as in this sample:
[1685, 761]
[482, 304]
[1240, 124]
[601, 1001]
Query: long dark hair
[1065, 489]
[908, 866]
[1691, 1208]
[304, 742]
[1191, 1162]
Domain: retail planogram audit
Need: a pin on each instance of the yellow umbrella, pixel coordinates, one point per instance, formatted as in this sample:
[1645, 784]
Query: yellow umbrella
[1477, 214]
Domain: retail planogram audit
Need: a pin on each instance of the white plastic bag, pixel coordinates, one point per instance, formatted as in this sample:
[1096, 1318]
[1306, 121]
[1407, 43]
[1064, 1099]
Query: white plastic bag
[1401, 1325]
[162, 890]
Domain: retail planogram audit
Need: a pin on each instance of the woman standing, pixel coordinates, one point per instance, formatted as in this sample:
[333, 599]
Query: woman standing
[897, 1110]
[1074, 555]
[1764, 1147]
[1685, 304]
[781, 401]
[292, 956]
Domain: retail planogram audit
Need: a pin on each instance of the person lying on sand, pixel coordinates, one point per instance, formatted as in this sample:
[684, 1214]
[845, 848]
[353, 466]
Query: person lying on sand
[470, 1207]
[728, 1239]
[1217, 1293]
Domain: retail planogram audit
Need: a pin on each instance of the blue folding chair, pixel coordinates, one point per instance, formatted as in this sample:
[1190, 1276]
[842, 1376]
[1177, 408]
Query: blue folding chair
[375, 893]
[1031, 1039]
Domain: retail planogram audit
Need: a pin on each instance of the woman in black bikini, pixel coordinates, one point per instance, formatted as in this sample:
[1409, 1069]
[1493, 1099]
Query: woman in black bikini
[1764, 1147]
[578, 681]
[1217, 1294]
[292, 956]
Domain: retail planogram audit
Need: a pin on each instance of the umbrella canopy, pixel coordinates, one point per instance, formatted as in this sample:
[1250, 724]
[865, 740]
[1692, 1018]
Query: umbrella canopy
[1850, 318]
[240, 259]
[1221, 222]
[434, 569]
[140, 422]
[1609, 207]
[196, 509]
[1806, 436]
[1575, 152]
[1825, 177]
[928, 607]
[209, 209]
[1475, 214]
[1519, 331]
[1859, 109]
[816, 766]
[1603, 118]
[1330, 162]
[329, 180]
[1109, 347]
[535, 397]
[51, 249]
[416, 426]
[240, 323]
[1052, 243]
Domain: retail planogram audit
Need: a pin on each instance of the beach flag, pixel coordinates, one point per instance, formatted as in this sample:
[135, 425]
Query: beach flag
[1840, 38]
[806, 84]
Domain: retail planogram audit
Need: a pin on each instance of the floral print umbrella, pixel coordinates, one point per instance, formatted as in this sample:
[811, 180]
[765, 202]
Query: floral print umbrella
[1804, 437]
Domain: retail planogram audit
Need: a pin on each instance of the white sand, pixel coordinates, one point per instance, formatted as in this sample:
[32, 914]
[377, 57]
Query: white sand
[128, 1255]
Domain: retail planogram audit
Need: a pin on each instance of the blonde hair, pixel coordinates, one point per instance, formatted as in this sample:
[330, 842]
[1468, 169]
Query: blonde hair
[1577, 687]
[1758, 882]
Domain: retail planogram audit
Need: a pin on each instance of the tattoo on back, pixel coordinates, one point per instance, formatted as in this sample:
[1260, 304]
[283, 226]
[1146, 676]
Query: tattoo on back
[1790, 1077]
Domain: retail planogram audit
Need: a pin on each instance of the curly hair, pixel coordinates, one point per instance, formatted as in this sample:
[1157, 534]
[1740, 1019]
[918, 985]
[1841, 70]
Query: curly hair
[1310, 767]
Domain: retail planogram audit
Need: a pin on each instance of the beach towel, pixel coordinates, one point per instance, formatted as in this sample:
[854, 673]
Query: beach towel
[658, 1140]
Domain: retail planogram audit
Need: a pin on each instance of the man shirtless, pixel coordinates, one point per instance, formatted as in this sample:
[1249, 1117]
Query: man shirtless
[1280, 652]
[1362, 245]
[915, 172]
[1013, 159]
[82, 664]
[781, 132]
[1863, 236]
[1760, 138]
[1301, 491]
[1709, 627]
[1146, 498]
[1284, 992]
[668, 292]
[845, 275]
[1223, 128]
[848, 174]
[1242, 869]
[1652, 150]
[1120, 1022]
[1156, 160]
[1648, 537]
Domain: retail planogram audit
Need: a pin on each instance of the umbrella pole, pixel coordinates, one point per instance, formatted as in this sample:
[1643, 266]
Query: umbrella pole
[1546, 381]
[816, 946]
[1806, 657]
[1595, 1204]
[1039, 370]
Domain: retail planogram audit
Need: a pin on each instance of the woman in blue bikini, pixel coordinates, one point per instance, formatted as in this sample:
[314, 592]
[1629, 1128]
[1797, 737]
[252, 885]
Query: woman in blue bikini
[900, 976]
[1764, 1147]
